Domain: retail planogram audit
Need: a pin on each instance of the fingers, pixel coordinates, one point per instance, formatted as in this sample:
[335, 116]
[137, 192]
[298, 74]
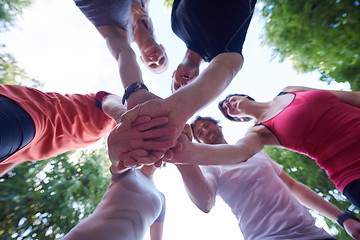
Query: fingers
[169, 155]
[141, 120]
[187, 131]
[157, 145]
[158, 163]
[131, 163]
[155, 122]
[140, 157]
[158, 132]
[131, 115]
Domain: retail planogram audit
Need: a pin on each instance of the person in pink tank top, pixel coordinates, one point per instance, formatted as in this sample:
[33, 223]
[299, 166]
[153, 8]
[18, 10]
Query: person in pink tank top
[322, 124]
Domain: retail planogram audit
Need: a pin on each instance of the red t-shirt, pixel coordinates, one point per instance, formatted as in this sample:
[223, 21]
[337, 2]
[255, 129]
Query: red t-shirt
[62, 122]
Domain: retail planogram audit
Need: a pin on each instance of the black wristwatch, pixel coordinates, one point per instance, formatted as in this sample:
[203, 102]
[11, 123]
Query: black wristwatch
[344, 216]
[131, 89]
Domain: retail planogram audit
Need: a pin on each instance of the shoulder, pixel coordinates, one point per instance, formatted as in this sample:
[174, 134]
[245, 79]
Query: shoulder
[297, 89]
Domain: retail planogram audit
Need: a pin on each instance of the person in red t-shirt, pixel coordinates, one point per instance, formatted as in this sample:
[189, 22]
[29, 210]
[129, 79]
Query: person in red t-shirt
[35, 125]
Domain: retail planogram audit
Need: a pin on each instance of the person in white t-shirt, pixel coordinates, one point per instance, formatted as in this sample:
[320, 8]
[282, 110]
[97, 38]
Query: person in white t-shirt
[131, 205]
[264, 199]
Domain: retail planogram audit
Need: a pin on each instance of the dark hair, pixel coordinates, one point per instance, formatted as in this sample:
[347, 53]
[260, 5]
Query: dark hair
[235, 119]
[199, 118]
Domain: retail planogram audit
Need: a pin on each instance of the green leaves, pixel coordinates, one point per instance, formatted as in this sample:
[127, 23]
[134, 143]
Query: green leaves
[47, 198]
[9, 10]
[305, 170]
[316, 35]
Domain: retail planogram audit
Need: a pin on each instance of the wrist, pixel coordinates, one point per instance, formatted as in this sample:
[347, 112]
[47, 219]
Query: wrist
[345, 216]
[182, 105]
[132, 89]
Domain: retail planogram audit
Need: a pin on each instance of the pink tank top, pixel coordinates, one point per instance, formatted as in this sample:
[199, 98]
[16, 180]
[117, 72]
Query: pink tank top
[318, 124]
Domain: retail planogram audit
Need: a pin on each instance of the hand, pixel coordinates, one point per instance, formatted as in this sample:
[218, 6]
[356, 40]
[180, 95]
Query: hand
[156, 108]
[127, 142]
[180, 153]
[352, 227]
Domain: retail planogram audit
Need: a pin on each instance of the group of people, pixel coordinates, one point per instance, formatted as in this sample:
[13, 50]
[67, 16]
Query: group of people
[145, 130]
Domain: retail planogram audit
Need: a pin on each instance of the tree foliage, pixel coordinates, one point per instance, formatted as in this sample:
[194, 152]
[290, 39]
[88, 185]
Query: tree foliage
[305, 170]
[168, 3]
[316, 35]
[9, 10]
[11, 73]
[45, 199]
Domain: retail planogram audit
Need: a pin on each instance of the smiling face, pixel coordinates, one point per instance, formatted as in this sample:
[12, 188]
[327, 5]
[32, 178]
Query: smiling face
[183, 75]
[155, 58]
[208, 132]
[232, 108]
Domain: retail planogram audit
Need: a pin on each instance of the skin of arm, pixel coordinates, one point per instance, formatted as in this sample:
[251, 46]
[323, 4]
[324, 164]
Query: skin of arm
[219, 154]
[156, 231]
[349, 97]
[119, 47]
[202, 191]
[310, 199]
[112, 106]
[129, 70]
[185, 102]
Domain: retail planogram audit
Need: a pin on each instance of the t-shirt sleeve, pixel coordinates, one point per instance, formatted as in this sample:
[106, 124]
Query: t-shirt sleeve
[210, 172]
[161, 217]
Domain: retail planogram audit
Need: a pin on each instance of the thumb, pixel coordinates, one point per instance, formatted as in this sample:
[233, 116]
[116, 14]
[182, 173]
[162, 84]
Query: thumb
[131, 115]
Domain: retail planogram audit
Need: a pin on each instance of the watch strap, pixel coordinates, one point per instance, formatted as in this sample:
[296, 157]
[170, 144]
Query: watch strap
[344, 216]
[131, 89]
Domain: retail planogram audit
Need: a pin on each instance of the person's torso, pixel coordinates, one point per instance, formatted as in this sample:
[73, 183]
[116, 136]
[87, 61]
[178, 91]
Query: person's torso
[130, 206]
[263, 205]
[318, 124]
[211, 27]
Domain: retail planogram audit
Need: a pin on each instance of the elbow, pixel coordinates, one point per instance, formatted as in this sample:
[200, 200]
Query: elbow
[207, 205]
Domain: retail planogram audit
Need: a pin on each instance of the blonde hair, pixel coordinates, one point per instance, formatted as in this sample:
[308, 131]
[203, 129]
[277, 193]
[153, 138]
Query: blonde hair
[141, 13]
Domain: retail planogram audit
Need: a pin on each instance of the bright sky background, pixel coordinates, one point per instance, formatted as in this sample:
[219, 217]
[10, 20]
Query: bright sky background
[57, 45]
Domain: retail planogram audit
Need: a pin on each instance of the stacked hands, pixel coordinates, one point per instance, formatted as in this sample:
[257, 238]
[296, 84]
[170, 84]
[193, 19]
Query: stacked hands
[147, 134]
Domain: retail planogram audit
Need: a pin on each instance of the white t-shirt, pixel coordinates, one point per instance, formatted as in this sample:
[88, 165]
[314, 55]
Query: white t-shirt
[262, 203]
[129, 207]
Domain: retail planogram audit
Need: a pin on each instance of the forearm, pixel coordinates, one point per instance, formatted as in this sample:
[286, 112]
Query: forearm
[112, 106]
[310, 199]
[210, 83]
[220, 154]
[156, 231]
[197, 187]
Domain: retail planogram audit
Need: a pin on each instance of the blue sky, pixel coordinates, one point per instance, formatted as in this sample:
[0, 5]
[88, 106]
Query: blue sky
[57, 45]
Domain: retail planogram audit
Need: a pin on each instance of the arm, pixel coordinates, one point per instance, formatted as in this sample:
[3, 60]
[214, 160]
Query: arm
[349, 97]
[156, 230]
[119, 47]
[219, 154]
[112, 106]
[201, 191]
[185, 102]
[310, 199]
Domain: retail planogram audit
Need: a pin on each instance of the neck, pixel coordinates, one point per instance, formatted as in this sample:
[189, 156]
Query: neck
[142, 36]
[148, 170]
[257, 110]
